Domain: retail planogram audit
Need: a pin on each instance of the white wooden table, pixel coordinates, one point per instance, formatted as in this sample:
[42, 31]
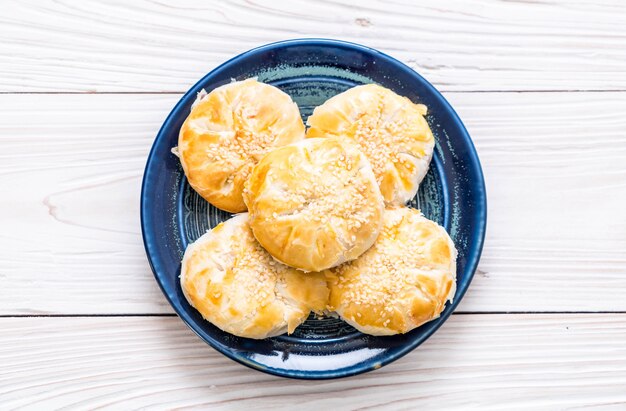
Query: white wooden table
[84, 88]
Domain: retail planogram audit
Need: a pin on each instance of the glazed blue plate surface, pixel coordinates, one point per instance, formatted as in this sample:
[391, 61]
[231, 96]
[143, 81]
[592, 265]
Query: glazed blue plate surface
[311, 71]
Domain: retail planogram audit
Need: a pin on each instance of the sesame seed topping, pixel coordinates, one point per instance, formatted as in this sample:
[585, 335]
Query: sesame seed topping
[392, 271]
[389, 129]
[326, 183]
[233, 127]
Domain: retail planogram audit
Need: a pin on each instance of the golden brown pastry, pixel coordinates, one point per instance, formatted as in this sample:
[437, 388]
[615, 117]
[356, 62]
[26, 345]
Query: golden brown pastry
[227, 133]
[391, 131]
[400, 283]
[236, 285]
[314, 204]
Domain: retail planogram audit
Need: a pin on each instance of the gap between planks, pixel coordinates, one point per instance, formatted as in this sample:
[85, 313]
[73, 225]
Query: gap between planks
[115, 315]
[442, 91]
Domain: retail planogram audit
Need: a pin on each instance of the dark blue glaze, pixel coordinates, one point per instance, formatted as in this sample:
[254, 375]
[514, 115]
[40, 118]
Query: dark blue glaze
[311, 71]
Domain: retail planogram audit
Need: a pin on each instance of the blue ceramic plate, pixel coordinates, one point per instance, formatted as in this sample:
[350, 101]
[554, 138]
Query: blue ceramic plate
[311, 71]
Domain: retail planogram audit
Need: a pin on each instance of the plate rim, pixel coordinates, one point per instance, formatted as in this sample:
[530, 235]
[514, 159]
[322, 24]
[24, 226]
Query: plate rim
[472, 262]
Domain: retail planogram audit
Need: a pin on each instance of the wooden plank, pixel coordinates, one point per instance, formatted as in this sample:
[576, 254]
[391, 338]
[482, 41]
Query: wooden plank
[475, 361]
[71, 171]
[91, 46]
[555, 175]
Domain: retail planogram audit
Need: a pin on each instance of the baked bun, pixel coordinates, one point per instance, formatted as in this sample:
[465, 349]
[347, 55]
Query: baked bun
[400, 283]
[314, 204]
[236, 285]
[227, 133]
[390, 130]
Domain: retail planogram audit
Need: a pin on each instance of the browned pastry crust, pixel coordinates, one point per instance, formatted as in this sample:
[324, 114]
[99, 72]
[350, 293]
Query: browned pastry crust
[314, 204]
[236, 285]
[227, 133]
[400, 283]
[391, 131]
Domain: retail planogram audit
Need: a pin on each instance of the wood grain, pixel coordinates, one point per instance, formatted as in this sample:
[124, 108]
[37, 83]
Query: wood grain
[556, 177]
[71, 171]
[487, 362]
[71, 168]
[92, 46]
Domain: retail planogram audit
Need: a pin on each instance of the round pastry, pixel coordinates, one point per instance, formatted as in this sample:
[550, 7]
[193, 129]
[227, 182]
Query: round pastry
[227, 133]
[236, 285]
[314, 204]
[391, 131]
[400, 283]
